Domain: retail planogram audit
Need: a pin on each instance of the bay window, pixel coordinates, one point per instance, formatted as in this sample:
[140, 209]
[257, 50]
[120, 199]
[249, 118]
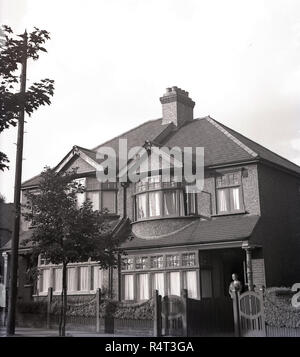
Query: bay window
[155, 198]
[229, 193]
[166, 273]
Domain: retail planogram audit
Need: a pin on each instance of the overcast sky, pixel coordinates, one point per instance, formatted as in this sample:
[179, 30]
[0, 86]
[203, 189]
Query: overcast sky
[112, 59]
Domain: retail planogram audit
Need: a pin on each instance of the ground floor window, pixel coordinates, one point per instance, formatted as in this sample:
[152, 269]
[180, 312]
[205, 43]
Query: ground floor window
[174, 283]
[45, 280]
[140, 286]
[190, 283]
[128, 287]
[158, 283]
[85, 279]
[71, 279]
[143, 286]
[57, 280]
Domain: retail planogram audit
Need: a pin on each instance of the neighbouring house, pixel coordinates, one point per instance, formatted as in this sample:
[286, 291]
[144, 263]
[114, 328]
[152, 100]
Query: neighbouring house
[6, 226]
[246, 220]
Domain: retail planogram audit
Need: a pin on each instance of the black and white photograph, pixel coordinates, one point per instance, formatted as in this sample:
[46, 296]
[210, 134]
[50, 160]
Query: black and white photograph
[149, 172]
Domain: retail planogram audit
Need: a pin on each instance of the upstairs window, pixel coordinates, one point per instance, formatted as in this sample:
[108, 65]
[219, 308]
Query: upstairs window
[155, 198]
[102, 195]
[229, 193]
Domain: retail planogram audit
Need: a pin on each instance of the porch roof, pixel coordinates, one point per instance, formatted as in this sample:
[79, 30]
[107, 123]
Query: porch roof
[116, 224]
[216, 229]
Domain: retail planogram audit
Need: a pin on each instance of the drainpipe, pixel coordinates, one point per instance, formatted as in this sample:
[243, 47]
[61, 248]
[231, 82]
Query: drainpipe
[248, 249]
[124, 185]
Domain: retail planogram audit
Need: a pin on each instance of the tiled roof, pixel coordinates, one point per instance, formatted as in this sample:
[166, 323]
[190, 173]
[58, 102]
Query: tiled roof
[150, 130]
[23, 236]
[217, 229]
[263, 152]
[116, 224]
[218, 148]
[34, 181]
[222, 145]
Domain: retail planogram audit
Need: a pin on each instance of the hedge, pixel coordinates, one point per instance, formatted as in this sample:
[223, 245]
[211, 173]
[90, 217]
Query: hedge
[279, 311]
[78, 307]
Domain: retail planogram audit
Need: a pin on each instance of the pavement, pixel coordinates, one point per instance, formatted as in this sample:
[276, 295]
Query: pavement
[38, 332]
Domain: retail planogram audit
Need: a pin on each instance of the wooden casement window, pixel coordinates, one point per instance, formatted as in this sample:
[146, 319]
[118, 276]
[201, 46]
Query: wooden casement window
[33, 223]
[189, 259]
[229, 193]
[141, 263]
[102, 195]
[127, 264]
[157, 262]
[191, 204]
[155, 198]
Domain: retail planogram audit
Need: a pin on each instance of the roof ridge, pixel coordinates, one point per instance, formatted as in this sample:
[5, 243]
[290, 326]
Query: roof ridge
[231, 137]
[256, 143]
[126, 132]
[82, 148]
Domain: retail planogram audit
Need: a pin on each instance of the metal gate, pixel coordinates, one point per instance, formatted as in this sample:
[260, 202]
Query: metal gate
[249, 314]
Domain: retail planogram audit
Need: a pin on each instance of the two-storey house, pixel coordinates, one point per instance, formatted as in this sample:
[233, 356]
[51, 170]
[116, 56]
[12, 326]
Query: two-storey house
[246, 219]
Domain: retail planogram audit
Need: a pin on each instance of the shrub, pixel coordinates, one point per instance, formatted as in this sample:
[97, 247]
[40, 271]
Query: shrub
[32, 307]
[279, 311]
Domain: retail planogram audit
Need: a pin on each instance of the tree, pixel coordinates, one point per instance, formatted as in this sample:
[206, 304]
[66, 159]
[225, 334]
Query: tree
[65, 233]
[11, 100]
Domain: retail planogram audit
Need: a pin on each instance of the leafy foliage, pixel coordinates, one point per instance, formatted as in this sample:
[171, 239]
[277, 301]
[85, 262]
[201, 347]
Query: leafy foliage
[12, 53]
[64, 232]
[279, 311]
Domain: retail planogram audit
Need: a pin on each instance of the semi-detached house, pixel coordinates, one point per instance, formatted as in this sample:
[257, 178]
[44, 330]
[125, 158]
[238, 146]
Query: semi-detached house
[246, 220]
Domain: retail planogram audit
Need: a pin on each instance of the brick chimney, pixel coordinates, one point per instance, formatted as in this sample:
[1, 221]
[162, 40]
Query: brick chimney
[177, 106]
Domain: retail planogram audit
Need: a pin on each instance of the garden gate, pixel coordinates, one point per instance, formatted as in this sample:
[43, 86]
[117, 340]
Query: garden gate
[249, 314]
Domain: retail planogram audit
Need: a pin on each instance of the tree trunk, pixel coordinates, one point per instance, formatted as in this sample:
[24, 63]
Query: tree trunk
[63, 310]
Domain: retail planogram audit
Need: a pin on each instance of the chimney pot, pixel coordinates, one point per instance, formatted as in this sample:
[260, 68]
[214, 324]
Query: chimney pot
[177, 106]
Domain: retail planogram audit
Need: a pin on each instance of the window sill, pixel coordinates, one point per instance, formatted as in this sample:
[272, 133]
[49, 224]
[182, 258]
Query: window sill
[166, 217]
[57, 293]
[229, 214]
